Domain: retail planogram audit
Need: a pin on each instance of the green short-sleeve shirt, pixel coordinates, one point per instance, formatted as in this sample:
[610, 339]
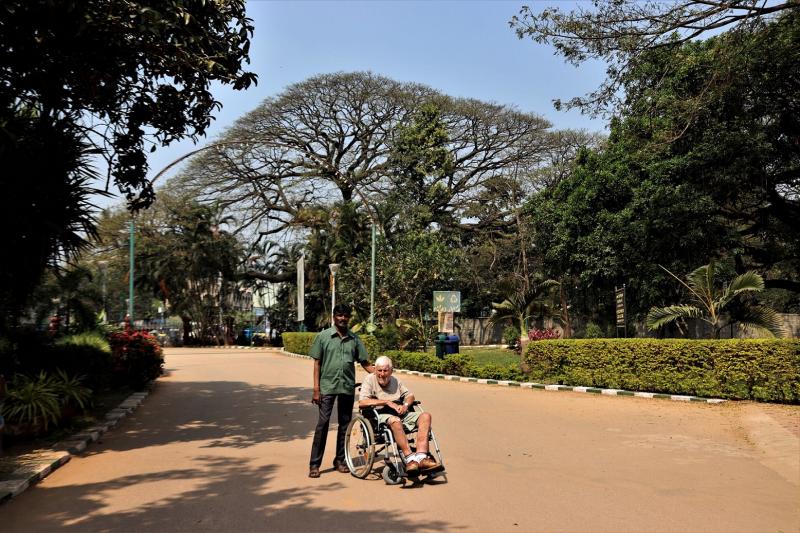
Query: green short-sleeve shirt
[338, 355]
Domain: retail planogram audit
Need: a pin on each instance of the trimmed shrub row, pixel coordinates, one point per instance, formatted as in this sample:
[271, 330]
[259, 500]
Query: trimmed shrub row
[453, 364]
[300, 343]
[745, 369]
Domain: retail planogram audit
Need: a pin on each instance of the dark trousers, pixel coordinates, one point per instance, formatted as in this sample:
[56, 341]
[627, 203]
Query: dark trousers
[344, 412]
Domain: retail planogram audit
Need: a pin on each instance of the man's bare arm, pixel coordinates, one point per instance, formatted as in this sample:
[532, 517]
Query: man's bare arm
[400, 407]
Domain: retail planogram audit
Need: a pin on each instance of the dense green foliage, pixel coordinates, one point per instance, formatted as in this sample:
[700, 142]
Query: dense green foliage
[110, 79]
[684, 180]
[372, 345]
[186, 256]
[753, 369]
[51, 380]
[87, 355]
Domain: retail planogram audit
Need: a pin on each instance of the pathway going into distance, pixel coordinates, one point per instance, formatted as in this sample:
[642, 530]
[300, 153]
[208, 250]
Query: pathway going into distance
[222, 444]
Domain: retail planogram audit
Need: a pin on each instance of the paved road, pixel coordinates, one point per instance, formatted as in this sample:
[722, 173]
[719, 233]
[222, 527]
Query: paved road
[222, 444]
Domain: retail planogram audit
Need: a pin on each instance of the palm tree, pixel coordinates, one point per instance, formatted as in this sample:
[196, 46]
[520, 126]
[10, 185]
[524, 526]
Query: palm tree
[521, 305]
[713, 304]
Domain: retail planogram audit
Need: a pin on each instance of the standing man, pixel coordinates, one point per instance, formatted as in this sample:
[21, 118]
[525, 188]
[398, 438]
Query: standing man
[335, 352]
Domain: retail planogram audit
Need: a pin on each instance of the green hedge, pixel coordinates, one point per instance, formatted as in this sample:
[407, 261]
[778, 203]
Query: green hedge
[453, 364]
[300, 343]
[751, 369]
[372, 345]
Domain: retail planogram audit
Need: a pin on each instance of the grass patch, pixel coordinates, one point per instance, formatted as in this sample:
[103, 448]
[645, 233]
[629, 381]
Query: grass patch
[492, 356]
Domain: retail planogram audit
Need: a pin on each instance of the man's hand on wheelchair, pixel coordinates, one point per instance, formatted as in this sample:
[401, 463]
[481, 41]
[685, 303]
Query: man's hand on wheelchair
[400, 408]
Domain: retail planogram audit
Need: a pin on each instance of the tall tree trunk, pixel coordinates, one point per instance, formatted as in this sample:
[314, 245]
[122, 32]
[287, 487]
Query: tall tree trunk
[187, 329]
[565, 312]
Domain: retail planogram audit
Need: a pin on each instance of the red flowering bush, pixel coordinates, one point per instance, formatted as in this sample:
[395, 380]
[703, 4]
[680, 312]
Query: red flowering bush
[543, 334]
[137, 357]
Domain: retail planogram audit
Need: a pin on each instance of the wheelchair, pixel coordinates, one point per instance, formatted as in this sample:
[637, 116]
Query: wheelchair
[368, 439]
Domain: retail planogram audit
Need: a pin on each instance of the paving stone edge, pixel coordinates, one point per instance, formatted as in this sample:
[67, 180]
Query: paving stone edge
[61, 452]
[542, 386]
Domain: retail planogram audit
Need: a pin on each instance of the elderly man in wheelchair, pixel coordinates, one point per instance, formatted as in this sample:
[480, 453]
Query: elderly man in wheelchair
[392, 421]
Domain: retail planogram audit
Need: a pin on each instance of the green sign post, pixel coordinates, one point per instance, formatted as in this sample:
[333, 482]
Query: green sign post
[447, 301]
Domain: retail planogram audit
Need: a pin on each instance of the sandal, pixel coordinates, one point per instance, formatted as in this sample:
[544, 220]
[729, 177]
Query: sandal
[313, 472]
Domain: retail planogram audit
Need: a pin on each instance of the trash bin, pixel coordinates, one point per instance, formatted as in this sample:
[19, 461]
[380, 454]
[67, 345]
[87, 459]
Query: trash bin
[440, 342]
[451, 344]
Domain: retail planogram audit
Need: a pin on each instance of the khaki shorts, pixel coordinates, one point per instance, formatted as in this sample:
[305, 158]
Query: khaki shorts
[409, 421]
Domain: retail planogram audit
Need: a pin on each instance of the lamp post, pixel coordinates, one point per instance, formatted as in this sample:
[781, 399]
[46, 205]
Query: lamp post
[132, 241]
[371, 325]
[334, 269]
[103, 266]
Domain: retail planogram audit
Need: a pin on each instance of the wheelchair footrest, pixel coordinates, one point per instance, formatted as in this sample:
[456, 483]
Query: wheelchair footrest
[421, 473]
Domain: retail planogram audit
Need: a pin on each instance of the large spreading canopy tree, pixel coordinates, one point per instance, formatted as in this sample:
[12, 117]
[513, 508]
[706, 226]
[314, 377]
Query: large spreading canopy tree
[107, 78]
[332, 154]
[329, 139]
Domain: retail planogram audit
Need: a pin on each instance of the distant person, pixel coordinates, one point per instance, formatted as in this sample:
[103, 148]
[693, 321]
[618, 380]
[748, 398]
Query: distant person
[335, 352]
[394, 401]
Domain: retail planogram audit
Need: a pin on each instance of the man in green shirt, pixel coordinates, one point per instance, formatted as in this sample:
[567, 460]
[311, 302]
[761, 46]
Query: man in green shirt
[335, 352]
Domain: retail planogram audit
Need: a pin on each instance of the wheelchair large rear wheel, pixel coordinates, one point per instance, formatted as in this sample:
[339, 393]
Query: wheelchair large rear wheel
[359, 447]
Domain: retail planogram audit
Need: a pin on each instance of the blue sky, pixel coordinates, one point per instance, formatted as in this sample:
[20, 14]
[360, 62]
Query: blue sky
[461, 48]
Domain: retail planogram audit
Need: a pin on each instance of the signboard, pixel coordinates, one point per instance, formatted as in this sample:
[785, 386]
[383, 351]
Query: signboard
[619, 301]
[301, 289]
[447, 301]
[446, 322]
[259, 311]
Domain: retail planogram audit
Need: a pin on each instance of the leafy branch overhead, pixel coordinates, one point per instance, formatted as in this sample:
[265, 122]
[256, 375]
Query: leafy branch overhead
[119, 69]
[99, 82]
[621, 32]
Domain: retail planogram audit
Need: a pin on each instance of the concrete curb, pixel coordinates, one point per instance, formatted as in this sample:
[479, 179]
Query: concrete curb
[38, 465]
[229, 347]
[542, 386]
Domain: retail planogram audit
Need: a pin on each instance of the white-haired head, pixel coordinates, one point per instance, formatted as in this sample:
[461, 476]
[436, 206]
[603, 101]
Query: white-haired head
[383, 361]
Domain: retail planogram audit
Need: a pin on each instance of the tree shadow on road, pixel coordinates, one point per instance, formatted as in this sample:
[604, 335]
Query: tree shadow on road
[225, 413]
[224, 494]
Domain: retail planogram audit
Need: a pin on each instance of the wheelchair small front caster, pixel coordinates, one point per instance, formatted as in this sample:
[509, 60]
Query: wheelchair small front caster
[391, 476]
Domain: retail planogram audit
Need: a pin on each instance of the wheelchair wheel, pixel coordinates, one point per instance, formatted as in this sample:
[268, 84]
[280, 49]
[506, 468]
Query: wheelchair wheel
[391, 476]
[359, 447]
